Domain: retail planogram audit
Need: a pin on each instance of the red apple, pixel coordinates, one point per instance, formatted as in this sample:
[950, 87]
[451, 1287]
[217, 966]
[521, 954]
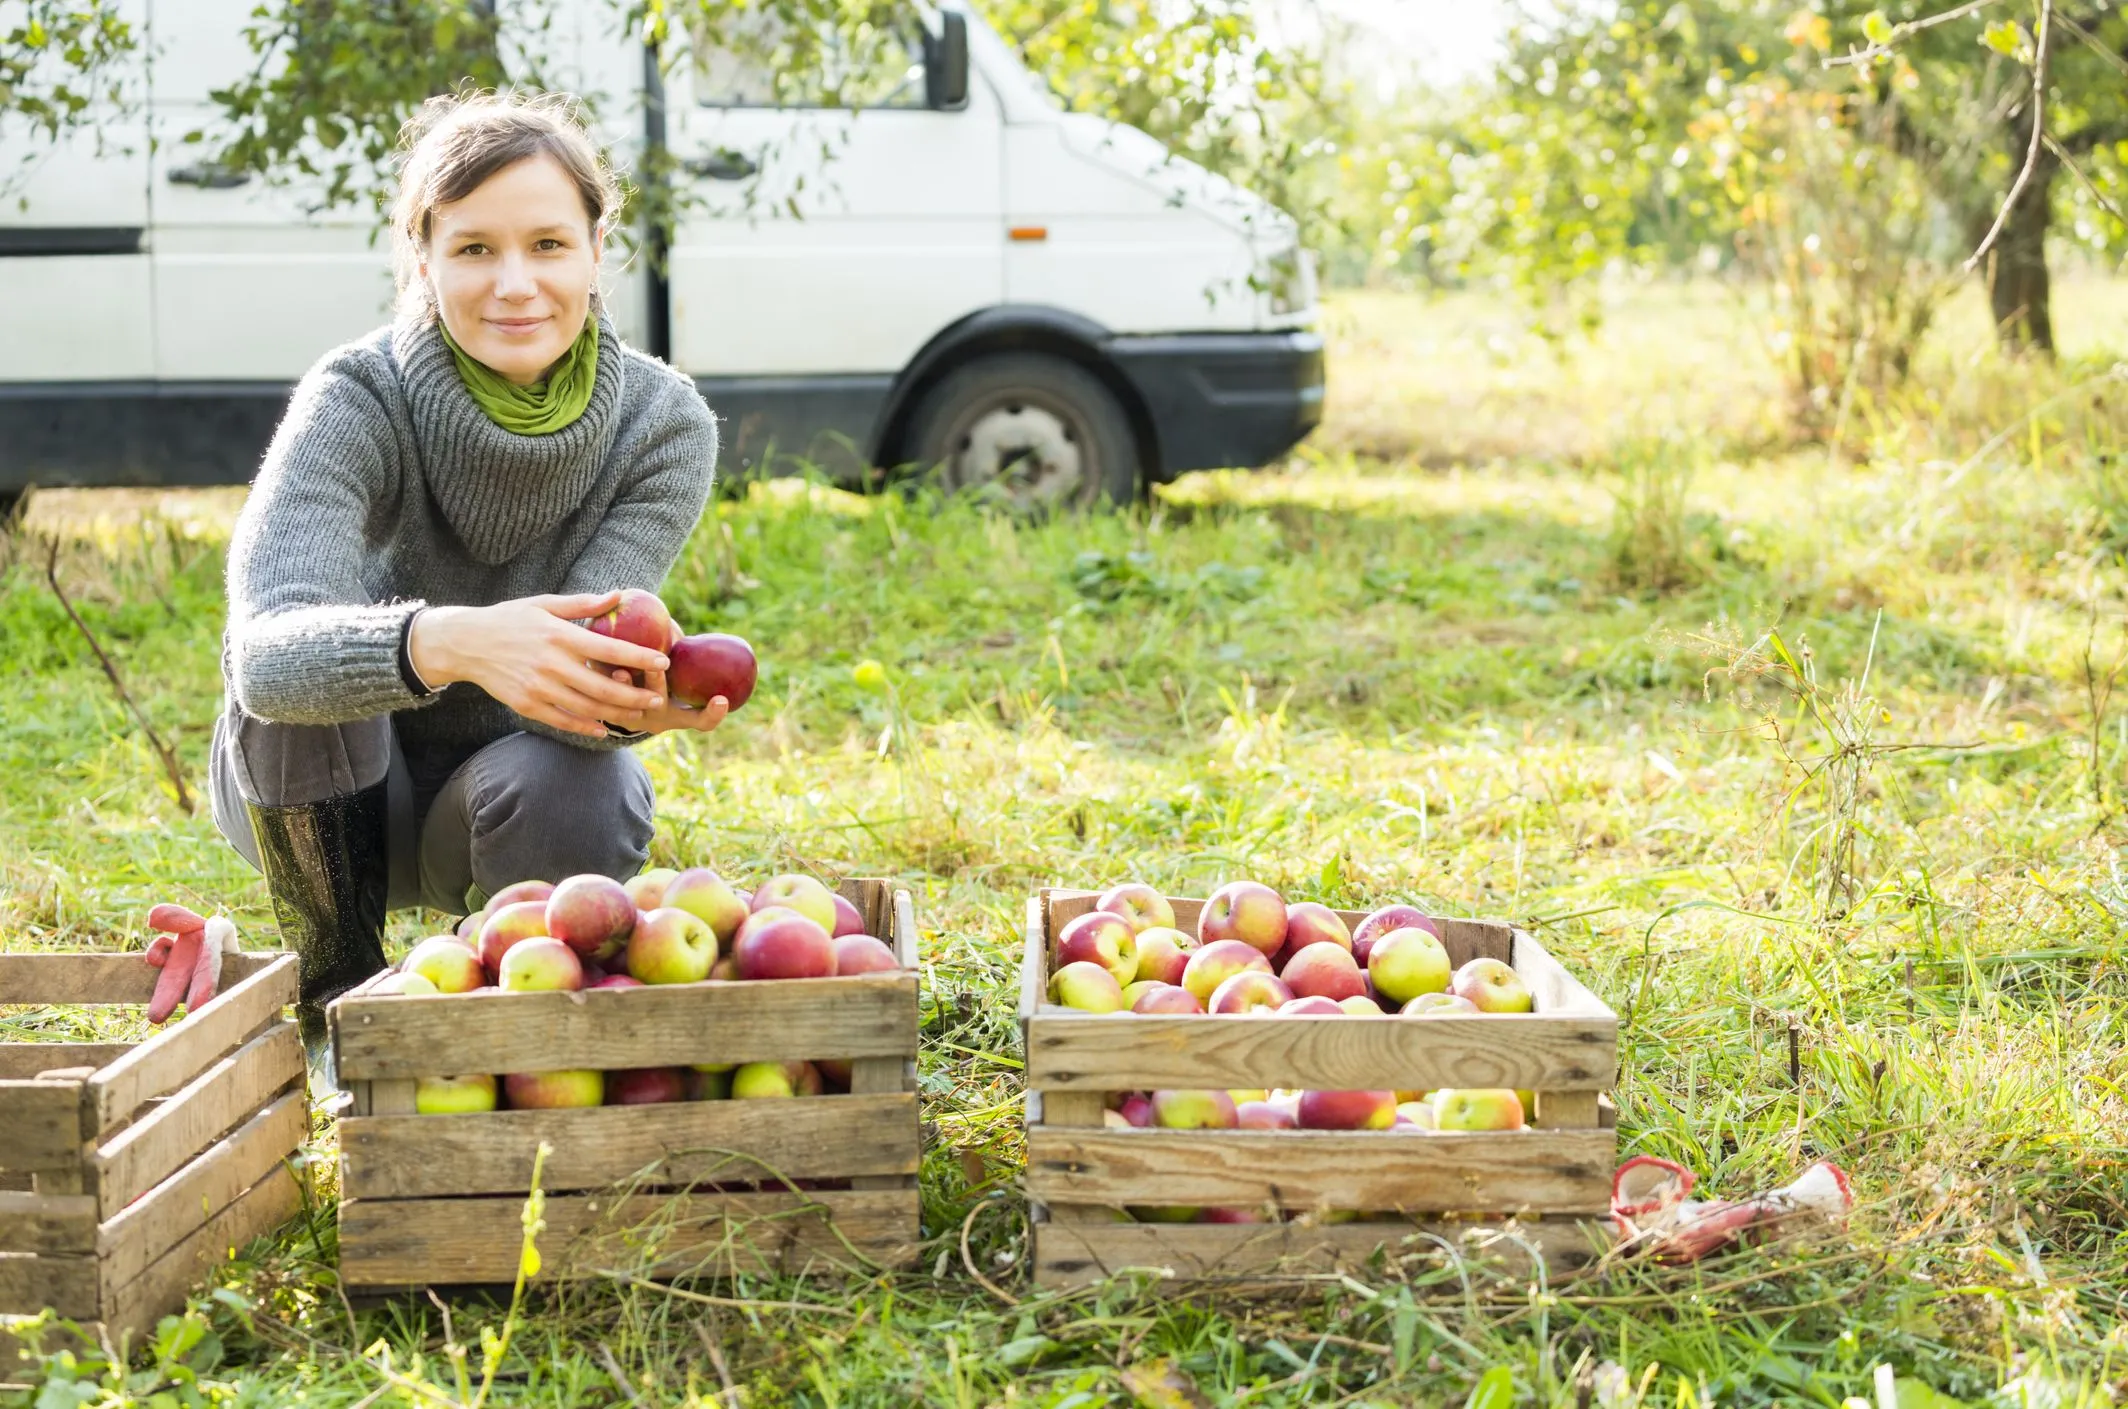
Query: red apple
[724, 970]
[1437, 1005]
[541, 965]
[1098, 937]
[1163, 953]
[617, 981]
[1138, 988]
[1087, 987]
[508, 925]
[1250, 992]
[1390, 917]
[1229, 1215]
[646, 1086]
[792, 948]
[446, 961]
[647, 891]
[709, 1085]
[808, 896]
[1324, 970]
[1140, 904]
[711, 664]
[1193, 1110]
[767, 915]
[1166, 998]
[589, 912]
[1313, 1006]
[1137, 1110]
[1408, 962]
[1219, 961]
[1310, 923]
[454, 1095]
[639, 617]
[1491, 986]
[1247, 911]
[469, 928]
[863, 954]
[702, 893]
[671, 946]
[1263, 1115]
[554, 1090]
[1347, 1110]
[519, 892]
[848, 920]
[1472, 1109]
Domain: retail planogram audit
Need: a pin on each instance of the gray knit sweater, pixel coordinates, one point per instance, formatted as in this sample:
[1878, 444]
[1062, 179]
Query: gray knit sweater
[386, 488]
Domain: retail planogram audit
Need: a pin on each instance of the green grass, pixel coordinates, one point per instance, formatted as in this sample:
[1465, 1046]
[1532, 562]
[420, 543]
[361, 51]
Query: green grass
[1356, 677]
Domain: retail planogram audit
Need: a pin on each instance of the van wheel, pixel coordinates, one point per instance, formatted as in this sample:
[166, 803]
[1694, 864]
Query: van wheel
[1035, 433]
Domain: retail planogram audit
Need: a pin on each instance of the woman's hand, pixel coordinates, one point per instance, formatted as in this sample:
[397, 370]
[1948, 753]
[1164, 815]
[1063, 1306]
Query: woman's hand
[530, 655]
[672, 716]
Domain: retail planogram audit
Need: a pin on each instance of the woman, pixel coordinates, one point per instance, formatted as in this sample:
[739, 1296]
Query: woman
[413, 714]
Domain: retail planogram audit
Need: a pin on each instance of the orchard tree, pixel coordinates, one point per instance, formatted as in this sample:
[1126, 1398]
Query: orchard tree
[61, 62]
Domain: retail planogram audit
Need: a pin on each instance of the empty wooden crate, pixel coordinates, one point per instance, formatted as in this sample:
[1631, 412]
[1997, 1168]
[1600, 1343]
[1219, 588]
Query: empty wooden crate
[813, 1184]
[1330, 1200]
[129, 1169]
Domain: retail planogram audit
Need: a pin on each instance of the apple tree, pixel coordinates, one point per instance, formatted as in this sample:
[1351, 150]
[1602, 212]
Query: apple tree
[60, 62]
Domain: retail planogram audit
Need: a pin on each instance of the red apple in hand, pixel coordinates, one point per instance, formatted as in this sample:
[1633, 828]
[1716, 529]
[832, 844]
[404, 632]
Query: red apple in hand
[709, 665]
[639, 618]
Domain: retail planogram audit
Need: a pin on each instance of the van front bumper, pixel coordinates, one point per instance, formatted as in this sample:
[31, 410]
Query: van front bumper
[1224, 400]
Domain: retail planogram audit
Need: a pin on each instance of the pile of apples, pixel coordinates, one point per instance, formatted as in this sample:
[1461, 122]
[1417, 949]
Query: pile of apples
[1253, 954]
[663, 927]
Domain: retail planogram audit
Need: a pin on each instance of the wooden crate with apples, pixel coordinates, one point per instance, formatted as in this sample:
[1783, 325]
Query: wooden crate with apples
[129, 1169]
[1326, 1200]
[820, 1184]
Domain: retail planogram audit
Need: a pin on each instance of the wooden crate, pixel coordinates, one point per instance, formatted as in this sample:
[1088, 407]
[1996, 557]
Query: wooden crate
[129, 1169]
[1502, 1196]
[700, 1188]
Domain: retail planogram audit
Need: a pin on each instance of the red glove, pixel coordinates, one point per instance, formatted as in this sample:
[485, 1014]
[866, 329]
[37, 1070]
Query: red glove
[189, 952]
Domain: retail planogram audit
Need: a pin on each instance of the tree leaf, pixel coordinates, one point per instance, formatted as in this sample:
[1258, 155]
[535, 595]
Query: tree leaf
[2003, 37]
[1876, 28]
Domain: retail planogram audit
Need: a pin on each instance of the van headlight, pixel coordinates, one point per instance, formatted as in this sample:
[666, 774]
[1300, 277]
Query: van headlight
[1287, 277]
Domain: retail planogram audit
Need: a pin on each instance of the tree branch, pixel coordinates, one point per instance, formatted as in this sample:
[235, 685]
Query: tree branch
[155, 741]
[2089, 185]
[1877, 51]
[2039, 132]
[2118, 61]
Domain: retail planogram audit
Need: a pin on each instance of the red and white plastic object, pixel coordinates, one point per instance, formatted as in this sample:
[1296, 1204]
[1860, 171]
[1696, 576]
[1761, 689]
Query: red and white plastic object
[1654, 1212]
[189, 952]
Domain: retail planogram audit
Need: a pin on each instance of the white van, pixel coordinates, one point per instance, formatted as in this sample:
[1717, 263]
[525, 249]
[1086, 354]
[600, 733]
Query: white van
[951, 270]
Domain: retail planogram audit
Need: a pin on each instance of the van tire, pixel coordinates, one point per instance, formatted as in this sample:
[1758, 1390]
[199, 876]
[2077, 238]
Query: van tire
[1036, 433]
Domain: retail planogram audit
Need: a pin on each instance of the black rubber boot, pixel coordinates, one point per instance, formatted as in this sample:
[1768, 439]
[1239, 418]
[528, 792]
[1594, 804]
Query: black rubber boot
[327, 866]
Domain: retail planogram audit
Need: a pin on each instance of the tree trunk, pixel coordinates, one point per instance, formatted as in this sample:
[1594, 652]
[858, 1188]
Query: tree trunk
[2016, 268]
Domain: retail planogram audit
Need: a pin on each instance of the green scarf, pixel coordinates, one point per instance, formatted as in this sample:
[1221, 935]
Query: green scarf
[542, 408]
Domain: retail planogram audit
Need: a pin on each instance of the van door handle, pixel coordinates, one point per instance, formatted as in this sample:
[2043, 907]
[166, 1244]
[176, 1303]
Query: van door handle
[726, 165]
[208, 177]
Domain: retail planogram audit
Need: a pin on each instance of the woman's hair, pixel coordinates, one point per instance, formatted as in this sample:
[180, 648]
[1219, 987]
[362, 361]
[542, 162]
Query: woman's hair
[455, 143]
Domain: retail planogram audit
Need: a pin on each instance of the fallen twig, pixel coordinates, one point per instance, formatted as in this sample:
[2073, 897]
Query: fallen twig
[155, 741]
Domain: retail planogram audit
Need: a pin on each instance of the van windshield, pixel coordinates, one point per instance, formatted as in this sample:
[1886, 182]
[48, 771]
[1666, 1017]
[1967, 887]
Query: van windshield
[1033, 81]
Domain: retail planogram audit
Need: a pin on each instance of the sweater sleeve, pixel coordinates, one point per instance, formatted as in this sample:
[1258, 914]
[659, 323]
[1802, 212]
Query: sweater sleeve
[306, 644]
[649, 522]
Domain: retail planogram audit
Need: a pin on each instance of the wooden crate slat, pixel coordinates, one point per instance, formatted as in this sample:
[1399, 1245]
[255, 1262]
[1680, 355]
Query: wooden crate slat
[1078, 1253]
[424, 1156]
[137, 1305]
[1067, 1049]
[166, 1215]
[47, 1223]
[42, 1121]
[67, 1285]
[181, 1051]
[1494, 1172]
[407, 1242]
[20, 1061]
[214, 1103]
[100, 978]
[614, 1029]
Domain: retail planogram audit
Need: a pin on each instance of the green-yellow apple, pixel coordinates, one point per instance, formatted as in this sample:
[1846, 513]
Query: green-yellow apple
[1263, 1115]
[1324, 970]
[1476, 1109]
[1491, 986]
[671, 946]
[541, 965]
[1347, 1110]
[1219, 961]
[1408, 962]
[554, 1090]
[1138, 988]
[809, 897]
[704, 894]
[507, 925]
[758, 1080]
[1240, 1094]
[647, 890]
[1193, 1110]
[1098, 937]
[1087, 987]
[1169, 998]
[1361, 1006]
[863, 954]
[1386, 919]
[1245, 910]
[646, 1086]
[1143, 906]
[401, 985]
[590, 912]
[1437, 1005]
[446, 961]
[1163, 953]
[1250, 991]
[454, 1095]
[1418, 1114]
[1149, 1213]
[789, 948]
[710, 1085]
[1313, 1006]
[469, 928]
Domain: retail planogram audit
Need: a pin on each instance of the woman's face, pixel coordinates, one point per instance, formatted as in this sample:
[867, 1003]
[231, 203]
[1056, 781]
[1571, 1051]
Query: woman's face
[513, 265]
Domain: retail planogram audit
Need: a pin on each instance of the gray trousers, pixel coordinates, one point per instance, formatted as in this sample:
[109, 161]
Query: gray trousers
[524, 807]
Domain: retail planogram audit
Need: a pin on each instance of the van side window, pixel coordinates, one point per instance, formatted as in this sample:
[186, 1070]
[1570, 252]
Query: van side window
[757, 61]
